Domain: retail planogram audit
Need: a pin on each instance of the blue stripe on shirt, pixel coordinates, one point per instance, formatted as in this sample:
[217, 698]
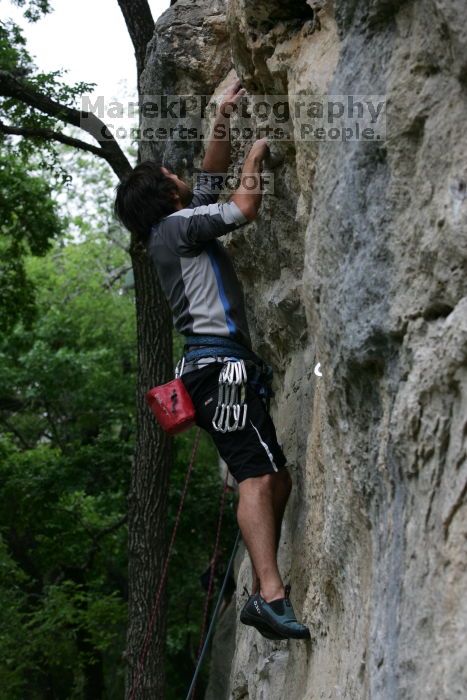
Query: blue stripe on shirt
[223, 297]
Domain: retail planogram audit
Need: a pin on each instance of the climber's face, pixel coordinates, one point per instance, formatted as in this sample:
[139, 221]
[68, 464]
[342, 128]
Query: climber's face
[185, 194]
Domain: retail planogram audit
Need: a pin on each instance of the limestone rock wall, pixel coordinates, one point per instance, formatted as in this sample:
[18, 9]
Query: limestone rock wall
[358, 262]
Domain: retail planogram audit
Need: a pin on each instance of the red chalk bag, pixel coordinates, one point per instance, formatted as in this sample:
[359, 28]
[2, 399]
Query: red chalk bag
[172, 406]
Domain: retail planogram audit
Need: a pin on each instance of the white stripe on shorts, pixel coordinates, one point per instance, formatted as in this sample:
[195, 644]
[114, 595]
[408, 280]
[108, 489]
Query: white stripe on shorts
[268, 451]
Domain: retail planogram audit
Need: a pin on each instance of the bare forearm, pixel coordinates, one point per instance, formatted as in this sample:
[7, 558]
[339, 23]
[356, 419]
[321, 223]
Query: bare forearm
[217, 157]
[248, 196]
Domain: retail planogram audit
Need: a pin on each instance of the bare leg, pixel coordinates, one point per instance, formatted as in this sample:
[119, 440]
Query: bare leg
[282, 489]
[258, 519]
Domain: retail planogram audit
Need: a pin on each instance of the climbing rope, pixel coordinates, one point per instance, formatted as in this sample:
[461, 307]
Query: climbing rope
[211, 576]
[214, 616]
[152, 617]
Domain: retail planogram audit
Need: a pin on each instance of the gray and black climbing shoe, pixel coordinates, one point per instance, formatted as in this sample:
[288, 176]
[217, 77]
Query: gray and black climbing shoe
[247, 613]
[274, 618]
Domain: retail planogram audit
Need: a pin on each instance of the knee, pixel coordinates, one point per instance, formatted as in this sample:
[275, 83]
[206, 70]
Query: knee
[265, 482]
[269, 482]
[258, 485]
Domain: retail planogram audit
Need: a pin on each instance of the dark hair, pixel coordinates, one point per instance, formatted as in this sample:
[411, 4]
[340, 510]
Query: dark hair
[143, 198]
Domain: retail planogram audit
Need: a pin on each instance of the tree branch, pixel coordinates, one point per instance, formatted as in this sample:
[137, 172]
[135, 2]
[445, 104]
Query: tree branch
[110, 281]
[140, 24]
[110, 528]
[12, 429]
[10, 86]
[49, 135]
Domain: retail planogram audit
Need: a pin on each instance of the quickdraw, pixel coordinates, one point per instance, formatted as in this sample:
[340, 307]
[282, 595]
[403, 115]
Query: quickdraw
[231, 408]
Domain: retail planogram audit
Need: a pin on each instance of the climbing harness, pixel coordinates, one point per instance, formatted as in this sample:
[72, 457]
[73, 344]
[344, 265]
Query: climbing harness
[138, 675]
[200, 349]
[231, 397]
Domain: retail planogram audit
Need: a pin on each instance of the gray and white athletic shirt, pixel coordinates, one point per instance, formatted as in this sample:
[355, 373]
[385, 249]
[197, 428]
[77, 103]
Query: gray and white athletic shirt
[196, 273]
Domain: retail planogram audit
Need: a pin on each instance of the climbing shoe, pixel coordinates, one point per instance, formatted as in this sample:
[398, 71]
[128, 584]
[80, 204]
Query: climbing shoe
[274, 620]
[247, 613]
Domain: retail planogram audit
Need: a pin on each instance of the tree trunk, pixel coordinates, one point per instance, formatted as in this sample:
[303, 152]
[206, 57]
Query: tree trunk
[148, 491]
[147, 499]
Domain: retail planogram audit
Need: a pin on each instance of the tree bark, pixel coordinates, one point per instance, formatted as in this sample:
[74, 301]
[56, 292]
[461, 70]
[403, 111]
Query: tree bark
[147, 499]
[140, 25]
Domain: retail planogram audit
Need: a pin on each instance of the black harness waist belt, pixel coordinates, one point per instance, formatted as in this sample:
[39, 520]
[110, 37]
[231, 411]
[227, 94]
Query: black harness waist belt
[198, 346]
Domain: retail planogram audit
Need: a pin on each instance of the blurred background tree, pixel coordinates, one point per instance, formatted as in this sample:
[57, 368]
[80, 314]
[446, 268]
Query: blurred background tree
[67, 429]
[68, 383]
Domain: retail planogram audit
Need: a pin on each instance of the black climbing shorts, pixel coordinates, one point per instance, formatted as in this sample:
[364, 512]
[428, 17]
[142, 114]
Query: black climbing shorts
[252, 451]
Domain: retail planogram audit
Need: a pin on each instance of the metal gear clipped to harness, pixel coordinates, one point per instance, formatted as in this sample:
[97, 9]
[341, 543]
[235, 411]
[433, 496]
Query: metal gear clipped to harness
[231, 408]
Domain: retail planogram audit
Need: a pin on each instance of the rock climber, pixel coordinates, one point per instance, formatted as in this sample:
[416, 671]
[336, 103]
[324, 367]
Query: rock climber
[181, 230]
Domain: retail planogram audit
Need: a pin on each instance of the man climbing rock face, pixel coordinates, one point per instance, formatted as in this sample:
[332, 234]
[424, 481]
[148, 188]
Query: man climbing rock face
[181, 229]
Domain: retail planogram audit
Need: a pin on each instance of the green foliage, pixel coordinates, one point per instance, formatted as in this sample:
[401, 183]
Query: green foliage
[29, 217]
[35, 9]
[67, 388]
[67, 422]
[15, 59]
[29, 221]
